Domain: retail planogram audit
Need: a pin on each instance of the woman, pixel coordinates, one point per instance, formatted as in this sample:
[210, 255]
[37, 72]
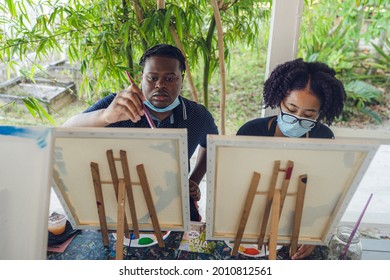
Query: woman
[309, 98]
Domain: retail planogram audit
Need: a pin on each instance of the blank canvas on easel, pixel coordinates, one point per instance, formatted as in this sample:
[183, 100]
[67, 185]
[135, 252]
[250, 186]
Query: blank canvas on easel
[25, 178]
[334, 168]
[162, 152]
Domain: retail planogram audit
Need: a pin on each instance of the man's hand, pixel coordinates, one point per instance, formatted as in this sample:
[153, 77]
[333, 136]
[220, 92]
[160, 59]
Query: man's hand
[194, 190]
[126, 105]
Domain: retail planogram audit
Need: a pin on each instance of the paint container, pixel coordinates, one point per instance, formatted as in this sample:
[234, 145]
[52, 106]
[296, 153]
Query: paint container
[340, 240]
[57, 223]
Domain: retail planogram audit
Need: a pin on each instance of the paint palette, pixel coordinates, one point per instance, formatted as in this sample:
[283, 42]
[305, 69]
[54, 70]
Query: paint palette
[144, 240]
[250, 250]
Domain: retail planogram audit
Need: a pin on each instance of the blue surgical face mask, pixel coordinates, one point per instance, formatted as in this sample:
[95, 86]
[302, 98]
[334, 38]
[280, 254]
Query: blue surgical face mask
[170, 107]
[291, 129]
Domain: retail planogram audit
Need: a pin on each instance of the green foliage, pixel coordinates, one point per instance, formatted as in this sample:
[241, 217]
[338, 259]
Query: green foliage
[382, 60]
[339, 34]
[333, 30]
[244, 86]
[105, 37]
[360, 95]
[33, 106]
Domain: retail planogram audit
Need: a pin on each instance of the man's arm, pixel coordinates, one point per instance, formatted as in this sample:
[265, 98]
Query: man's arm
[198, 173]
[90, 119]
[200, 166]
[127, 105]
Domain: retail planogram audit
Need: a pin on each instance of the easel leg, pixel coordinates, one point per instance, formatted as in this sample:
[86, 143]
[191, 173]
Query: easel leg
[121, 220]
[298, 213]
[115, 182]
[99, 201]
[149, 202]
[286, 181]
[268, 205]
[247, 207]
[129, 190]
[274, 225]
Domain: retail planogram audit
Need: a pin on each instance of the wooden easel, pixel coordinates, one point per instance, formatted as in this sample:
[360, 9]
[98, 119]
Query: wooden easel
[277, 205]
[123, 186]
[275, 201]
[270, 195]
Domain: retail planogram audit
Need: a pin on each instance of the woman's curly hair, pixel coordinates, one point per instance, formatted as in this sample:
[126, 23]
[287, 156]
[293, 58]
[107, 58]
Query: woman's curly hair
[295, 75]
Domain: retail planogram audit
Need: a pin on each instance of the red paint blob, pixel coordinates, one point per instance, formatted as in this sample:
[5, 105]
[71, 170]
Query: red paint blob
[251, 251]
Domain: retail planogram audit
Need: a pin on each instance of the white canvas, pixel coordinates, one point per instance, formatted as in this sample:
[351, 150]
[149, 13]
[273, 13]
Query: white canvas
[163, 152]
[25, 180]
[334, 169]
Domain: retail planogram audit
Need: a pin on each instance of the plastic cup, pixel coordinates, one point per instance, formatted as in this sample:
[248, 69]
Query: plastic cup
[57, 223]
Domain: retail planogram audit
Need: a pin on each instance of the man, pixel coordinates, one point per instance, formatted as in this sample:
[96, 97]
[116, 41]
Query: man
[163, 68]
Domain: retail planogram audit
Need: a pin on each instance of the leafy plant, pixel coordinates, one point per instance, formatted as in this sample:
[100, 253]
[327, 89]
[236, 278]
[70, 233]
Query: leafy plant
[381, 60]
[106, 37]
[33, 105]
[360, 95]
[338, 33]
[36, 109]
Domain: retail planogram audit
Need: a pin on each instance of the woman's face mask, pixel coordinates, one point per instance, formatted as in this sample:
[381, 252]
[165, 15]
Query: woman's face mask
[299, 111]
[293, 126]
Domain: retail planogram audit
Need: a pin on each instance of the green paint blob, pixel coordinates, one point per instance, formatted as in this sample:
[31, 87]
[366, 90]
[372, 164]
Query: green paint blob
[145, 241]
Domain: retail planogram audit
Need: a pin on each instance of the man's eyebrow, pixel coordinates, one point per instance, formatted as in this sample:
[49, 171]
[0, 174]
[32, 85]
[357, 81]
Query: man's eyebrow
[156, 73]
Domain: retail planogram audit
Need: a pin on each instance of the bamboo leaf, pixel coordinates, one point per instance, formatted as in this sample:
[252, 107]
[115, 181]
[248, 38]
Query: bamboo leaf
[167, 16]
[41, 45]
[42, 112]
[53, 15]
[11, 7]
[178, 23]
[30, 106]
[84, 66]
[125, 32]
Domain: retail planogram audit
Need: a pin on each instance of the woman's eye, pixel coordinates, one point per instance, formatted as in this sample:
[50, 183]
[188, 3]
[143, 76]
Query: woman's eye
[291, 111]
